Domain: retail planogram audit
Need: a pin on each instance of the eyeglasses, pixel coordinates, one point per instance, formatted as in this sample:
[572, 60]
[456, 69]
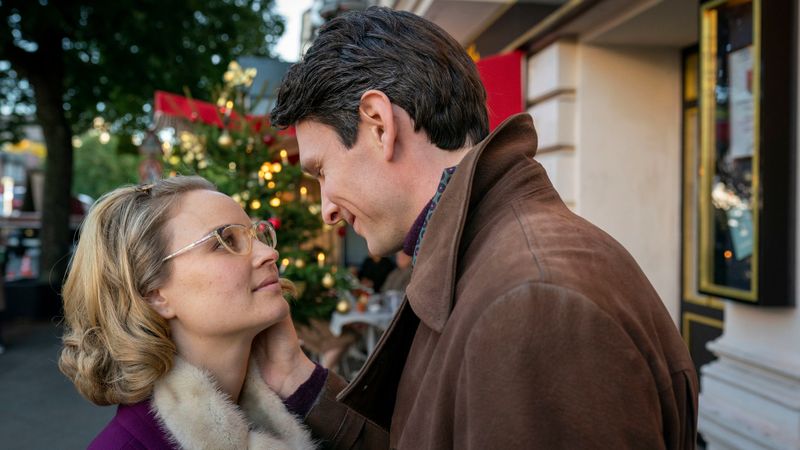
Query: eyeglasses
[236, 238]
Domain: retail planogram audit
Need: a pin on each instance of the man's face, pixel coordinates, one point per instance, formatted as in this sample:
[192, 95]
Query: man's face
[357, 185]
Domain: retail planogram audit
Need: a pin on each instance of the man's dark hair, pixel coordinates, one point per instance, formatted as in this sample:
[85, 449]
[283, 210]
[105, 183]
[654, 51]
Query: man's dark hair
[414, 62]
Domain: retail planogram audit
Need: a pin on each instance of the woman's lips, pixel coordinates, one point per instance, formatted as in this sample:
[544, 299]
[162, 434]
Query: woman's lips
[269, 283]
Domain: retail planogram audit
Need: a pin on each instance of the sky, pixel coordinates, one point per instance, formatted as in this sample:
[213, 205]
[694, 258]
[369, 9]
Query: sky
[288, 47]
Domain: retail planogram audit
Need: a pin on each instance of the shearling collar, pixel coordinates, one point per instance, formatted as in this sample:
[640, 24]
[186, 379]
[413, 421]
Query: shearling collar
[487, 165]
[188, 403]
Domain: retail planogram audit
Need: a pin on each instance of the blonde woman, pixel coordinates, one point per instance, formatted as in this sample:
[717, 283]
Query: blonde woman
[168, 287]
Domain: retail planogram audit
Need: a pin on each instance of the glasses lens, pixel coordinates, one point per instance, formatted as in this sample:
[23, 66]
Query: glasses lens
[265, 233]
[236, 239]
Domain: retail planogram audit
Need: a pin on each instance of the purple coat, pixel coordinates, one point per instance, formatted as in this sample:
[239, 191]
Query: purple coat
[134, 427]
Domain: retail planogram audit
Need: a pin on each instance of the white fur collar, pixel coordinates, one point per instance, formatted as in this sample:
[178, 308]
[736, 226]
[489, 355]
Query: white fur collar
[188, 403]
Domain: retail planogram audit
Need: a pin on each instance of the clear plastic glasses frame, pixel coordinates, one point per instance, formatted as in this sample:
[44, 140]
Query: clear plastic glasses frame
[236, 238]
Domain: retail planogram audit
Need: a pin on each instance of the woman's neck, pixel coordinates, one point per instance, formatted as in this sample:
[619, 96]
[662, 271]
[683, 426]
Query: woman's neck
[226, 358]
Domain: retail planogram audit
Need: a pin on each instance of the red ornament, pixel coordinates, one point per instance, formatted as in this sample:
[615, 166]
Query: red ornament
[275, 221]
[268, 139]
[342, 232]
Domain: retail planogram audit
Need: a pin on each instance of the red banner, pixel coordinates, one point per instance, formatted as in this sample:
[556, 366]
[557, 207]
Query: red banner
[502, 78]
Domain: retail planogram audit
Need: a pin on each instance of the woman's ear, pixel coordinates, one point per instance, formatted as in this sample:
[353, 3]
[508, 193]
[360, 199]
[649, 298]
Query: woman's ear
[160, 304]
[375, 111]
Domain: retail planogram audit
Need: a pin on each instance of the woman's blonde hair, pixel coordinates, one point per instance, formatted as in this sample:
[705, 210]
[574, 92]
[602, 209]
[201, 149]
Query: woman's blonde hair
[115, 345]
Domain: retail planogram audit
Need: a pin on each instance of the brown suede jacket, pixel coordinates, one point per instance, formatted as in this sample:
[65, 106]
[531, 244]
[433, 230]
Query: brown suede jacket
[524, 326]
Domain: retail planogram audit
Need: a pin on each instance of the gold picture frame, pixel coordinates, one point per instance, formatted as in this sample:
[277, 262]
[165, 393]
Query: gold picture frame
[747, 225]
[718, 201]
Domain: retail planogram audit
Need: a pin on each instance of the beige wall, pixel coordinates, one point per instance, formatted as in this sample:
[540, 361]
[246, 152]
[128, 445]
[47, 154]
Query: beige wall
[628, 155]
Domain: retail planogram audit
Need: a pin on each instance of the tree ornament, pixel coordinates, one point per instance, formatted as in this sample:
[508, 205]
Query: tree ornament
[276, 222]
[343, 307]
[225, 140]
[328, 281]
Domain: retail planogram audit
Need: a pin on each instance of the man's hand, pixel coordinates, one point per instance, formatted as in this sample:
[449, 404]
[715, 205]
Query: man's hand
[282, 364]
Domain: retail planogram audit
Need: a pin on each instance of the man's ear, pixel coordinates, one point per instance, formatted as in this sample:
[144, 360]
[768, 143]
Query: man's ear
[375, 112]
[160, 304]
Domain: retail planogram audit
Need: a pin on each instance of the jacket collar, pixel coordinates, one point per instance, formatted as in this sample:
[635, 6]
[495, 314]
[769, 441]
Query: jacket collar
[431, 290]
[188, 403]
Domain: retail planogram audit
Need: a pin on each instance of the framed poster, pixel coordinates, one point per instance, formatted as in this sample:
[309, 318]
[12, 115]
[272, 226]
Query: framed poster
[748, 60]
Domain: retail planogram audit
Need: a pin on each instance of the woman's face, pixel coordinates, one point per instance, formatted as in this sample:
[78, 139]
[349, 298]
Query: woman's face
[211, 292]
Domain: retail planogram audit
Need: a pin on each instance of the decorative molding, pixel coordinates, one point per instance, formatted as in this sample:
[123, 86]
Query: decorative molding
[560, 167]
[555, 121]
[770, 363]
[552, 70]
[749, 400]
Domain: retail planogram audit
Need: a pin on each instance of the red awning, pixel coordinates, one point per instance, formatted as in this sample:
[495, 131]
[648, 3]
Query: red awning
[209, 113]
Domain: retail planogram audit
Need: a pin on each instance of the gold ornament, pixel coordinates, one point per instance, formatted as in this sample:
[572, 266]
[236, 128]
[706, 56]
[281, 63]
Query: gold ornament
[237, 76]
[327, 281]
[343, 307]
[225, 140]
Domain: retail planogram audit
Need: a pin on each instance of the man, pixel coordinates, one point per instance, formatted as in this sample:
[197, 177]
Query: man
[524, 326]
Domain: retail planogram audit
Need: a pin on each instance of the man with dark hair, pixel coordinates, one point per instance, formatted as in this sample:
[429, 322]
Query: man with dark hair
[524, 326]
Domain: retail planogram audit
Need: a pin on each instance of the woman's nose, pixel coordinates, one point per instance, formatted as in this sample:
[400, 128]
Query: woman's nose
[263, 253]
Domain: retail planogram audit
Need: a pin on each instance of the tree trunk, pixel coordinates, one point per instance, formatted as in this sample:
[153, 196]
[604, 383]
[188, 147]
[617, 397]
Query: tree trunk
[56, 237]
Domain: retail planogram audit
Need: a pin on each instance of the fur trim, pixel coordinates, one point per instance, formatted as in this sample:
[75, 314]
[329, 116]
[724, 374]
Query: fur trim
[188, 403]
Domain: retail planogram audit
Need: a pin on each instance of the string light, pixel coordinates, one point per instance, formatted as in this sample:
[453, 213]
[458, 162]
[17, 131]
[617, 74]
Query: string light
[275, 202]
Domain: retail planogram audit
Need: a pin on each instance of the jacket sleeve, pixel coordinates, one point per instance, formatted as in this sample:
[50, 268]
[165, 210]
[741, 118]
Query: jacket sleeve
[339, 427]
[545, 368]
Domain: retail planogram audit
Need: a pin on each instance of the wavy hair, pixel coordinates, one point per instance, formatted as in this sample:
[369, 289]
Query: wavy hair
[115, 345]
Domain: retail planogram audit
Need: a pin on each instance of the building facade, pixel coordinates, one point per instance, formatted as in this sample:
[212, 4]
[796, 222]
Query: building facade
[641, 135]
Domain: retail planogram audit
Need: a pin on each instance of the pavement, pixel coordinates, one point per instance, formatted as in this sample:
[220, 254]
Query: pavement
[39, 406]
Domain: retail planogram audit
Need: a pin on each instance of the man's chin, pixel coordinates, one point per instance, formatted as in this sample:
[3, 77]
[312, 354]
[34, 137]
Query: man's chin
[382, 248]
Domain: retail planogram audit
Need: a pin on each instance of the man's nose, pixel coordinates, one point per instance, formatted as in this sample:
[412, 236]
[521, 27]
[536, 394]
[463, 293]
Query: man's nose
[330, 210]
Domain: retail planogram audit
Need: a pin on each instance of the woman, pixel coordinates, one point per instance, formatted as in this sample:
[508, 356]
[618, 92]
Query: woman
[169, 285]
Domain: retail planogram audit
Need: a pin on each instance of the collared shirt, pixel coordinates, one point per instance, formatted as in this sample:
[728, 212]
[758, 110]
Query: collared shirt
[417, 232]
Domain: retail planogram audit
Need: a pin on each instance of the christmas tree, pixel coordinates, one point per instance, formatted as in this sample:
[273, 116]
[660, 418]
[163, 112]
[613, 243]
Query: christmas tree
[243, 156]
